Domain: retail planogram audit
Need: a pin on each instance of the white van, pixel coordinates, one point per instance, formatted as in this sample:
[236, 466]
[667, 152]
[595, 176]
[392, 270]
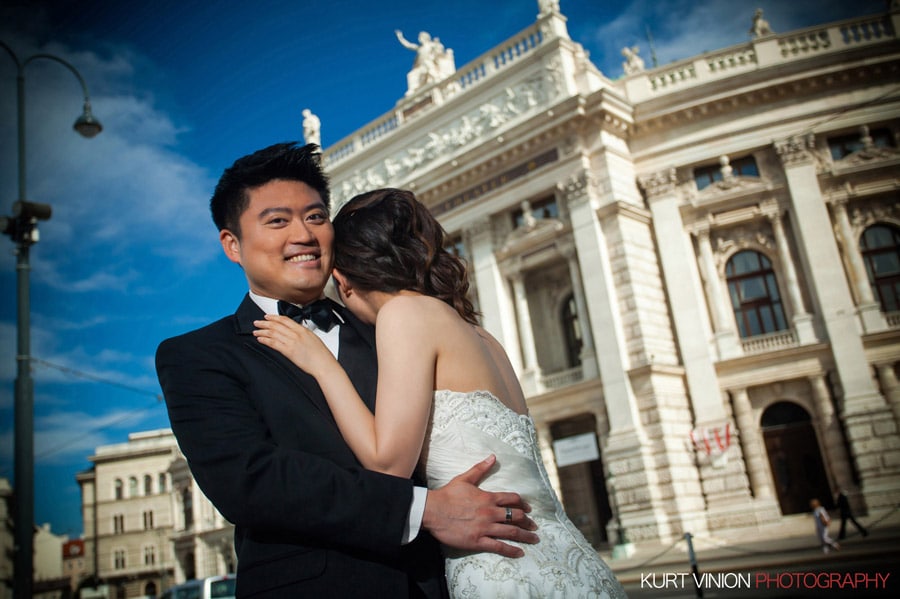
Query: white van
[213, 587]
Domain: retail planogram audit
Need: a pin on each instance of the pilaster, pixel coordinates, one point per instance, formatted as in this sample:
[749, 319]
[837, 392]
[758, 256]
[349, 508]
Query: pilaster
[831, 435]
[603, 309]
[677, 258]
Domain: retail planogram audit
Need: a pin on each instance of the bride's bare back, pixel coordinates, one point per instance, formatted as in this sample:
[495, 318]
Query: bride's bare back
[467, 358]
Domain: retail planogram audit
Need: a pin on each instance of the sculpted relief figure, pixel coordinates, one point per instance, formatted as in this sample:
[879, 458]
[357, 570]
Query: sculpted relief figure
[633, 62]
[433, 62]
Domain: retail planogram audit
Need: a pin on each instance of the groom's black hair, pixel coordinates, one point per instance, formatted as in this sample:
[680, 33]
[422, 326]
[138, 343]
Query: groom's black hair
[286, 161]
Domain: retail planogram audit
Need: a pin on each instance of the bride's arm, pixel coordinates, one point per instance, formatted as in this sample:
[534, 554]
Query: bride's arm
[390, 441]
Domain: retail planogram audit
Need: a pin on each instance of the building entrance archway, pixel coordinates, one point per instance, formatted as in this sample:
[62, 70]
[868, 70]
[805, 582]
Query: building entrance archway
[794, 457]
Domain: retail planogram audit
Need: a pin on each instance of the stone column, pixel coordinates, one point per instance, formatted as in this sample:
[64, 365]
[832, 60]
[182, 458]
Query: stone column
[890, 387]
[588, 355]
[802, 321]
[863, 408]
[494, 302]
[869, 309]
[723, 321]
[692, 326]
[832, 437]
[602, 308]
[751, 445]
[545, 442]
[531, 372]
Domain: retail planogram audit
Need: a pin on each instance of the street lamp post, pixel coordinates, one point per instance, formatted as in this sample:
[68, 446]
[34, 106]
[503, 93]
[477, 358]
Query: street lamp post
[22, 229]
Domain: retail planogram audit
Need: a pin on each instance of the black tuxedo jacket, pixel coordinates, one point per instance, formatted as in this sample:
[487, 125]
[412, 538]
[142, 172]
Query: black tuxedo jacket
[264, 448]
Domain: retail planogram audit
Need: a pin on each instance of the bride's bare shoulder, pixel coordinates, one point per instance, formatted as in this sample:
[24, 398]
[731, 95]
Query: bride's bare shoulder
[410, 309]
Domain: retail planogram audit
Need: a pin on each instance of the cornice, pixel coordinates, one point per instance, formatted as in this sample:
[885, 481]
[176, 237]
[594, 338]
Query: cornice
[697, 105]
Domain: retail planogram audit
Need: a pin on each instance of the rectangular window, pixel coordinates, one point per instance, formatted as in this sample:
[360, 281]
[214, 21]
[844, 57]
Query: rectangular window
[543, 208]
[119, 559]
[704, 176]
[842, 146]
[148, 520]
[149, 555]
[118, 523]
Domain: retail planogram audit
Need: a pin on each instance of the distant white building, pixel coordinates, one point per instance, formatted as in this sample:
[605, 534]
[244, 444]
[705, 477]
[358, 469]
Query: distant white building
[141, 536]
[693, 267]
[49, 580]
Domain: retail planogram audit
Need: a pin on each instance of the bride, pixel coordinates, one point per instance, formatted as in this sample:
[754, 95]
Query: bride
[447, 394]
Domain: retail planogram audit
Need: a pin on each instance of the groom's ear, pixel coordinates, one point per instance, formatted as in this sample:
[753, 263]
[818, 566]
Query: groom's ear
[341, 282]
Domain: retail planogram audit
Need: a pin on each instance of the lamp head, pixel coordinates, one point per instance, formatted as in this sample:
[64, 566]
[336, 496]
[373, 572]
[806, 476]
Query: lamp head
[33, 211]
[86, 124]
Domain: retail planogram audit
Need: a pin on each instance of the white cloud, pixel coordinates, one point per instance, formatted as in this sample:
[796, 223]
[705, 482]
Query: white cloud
[57, 441]
[126, 193]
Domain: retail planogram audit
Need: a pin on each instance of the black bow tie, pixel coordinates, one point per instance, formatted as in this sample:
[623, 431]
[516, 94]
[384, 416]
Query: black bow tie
[320, 312]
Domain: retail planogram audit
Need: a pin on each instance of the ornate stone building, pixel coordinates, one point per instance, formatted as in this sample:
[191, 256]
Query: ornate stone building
[147, 526]
[695, 268]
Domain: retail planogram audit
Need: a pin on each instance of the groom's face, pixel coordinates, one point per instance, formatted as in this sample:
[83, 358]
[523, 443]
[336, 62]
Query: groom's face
[285, 246]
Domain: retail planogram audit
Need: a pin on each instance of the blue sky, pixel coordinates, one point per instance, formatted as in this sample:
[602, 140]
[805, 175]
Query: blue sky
[182, 88]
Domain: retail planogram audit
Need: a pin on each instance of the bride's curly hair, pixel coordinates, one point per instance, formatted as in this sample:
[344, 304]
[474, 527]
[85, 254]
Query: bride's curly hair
[386, 240]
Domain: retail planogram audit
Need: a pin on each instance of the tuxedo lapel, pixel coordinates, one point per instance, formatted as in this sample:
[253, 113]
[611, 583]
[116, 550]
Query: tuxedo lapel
[357, 355]
[307, 386]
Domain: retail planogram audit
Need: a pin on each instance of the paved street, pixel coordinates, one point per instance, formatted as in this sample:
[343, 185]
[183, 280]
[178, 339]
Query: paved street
[780, 561]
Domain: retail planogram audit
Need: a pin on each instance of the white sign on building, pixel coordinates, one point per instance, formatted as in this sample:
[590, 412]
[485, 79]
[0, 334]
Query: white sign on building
[576, 449]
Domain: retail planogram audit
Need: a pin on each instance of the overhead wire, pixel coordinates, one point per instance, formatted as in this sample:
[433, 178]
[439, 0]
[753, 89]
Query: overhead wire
[134, 413]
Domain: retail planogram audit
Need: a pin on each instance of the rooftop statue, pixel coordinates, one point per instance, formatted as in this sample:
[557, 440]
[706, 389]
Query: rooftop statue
[433, 62]
[311, 128]
[633, 62]
[760, 25]
[546, 6]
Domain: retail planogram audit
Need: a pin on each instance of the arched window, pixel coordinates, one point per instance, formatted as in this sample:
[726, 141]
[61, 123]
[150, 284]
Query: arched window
[150, 589]
[571, 331]
[162, 482]
[132, 486]
[880, 246]
[754, 294]
[148, 484]
[119, 488]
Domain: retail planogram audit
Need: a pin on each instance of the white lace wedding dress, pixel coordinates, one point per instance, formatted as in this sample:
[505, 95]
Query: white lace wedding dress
[466, 427]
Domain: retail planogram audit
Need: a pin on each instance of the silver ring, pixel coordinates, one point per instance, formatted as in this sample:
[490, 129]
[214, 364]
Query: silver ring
[508, 515]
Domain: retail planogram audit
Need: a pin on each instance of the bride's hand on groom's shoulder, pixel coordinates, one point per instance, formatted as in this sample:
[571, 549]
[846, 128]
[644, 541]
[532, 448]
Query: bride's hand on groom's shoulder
[464, 517]
[300, 345]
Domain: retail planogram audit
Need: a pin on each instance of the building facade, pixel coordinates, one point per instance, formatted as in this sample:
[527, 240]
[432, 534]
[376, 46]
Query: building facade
[143, 524]
[695, 268]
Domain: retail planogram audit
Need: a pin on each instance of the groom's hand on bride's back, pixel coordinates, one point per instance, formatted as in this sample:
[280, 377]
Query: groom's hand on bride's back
[463, 516]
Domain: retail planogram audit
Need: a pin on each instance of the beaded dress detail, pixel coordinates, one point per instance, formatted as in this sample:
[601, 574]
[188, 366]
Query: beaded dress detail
[466, 427]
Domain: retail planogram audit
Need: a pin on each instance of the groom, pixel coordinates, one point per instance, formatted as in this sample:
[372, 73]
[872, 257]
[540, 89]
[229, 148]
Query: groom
[258, 435]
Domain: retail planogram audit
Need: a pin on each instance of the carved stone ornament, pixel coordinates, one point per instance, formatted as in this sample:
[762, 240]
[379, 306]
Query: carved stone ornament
[797, 150]
[731, 241]
[576, 189]
[659, 184]
[472, 127]
[866, 215]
